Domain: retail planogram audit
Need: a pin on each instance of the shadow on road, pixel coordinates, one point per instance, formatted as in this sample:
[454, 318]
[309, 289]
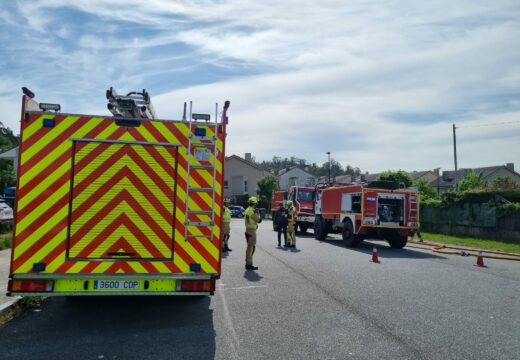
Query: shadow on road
[252, 275]
[383, 249]
[113, 328]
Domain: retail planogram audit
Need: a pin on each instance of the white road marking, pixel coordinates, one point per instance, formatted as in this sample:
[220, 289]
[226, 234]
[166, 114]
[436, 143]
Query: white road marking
[245, 287]
[234, 343]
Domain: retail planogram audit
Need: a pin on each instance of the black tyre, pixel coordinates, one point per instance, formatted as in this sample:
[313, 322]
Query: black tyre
[349, 238]
[303, 228]
[320, 230]
[397, 241]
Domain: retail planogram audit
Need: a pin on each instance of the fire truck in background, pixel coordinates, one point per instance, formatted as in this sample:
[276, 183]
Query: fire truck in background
[117, 205]
[303, 199]
[377, 210]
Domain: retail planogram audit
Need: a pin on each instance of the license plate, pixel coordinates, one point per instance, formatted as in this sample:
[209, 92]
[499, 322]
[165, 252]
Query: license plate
[116, 285]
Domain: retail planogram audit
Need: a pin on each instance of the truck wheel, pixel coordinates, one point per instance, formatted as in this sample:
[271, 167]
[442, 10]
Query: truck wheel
[320, 233]
[303, 228]
[349, 238]
[397, 241]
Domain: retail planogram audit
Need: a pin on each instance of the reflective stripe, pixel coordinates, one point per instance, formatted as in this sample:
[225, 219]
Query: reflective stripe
[250, 222]
[227, 215]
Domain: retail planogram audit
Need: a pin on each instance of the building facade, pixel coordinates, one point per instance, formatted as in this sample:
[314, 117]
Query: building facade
[296, 177]
[241, 176]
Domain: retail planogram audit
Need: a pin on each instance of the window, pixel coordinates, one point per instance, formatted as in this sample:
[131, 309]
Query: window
[356, 203]
[226, 184]
[292, 181]
[246, 189]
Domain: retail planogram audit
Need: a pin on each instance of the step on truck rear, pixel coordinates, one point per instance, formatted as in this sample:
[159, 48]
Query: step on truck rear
[117, 206]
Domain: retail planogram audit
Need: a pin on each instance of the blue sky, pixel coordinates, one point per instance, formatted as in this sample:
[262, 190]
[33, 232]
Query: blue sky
[377, 83]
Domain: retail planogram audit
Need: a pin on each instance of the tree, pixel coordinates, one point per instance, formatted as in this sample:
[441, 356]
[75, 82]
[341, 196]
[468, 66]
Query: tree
[7, 141]
[471, 181]
[399, 176]
[425, 189]
[266, 186]
[504, 182]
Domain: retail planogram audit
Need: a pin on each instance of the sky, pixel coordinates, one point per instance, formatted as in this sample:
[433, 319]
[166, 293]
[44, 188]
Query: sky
[378, 84]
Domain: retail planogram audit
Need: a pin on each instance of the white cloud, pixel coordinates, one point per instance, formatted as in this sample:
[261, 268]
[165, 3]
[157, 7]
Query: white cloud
[376, 83]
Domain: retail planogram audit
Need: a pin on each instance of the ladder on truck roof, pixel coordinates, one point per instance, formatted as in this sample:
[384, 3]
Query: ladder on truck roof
[201, 148]
[136, 105]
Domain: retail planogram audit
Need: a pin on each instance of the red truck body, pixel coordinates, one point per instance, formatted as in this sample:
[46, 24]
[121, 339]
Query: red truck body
[302, 198]
[376, 211]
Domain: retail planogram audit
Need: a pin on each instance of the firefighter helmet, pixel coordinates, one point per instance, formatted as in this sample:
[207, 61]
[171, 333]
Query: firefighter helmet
[252, 200]
[289, 202]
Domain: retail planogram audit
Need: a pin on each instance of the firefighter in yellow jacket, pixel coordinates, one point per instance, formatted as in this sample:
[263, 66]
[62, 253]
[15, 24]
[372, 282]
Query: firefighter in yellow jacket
[226, 219]
[291, 230]
[251, 220]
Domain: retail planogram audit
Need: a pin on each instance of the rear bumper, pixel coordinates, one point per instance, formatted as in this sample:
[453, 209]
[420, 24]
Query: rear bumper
[111, 284]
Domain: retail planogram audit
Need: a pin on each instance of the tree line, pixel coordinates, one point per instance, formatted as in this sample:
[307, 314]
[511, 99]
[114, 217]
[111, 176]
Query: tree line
[278, 164]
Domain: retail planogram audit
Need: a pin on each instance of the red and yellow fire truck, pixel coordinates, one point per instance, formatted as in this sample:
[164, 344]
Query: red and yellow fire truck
[117, 205]
[377, 210]
[302, 198]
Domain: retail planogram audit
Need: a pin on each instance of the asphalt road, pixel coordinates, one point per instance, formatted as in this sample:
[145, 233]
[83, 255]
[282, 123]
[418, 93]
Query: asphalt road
[322, 301]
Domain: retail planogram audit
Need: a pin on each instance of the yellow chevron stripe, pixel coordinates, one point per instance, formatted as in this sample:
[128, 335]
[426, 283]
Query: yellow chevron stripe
[65, 146]
[97, 206]
[42, 253]
[195, 255]
[45, 226]
[35, 126]
[44, 185]
[48, 203]
[123, 207]
[129, 163]
[49, 137]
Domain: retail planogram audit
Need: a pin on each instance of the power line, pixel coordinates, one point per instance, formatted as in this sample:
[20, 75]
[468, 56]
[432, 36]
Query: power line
[494, 124]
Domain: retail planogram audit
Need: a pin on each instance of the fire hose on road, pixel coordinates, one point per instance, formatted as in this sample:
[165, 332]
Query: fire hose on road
[462, 251]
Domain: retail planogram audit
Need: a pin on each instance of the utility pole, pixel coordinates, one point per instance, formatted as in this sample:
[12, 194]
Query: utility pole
[328, 153]
[455, 156]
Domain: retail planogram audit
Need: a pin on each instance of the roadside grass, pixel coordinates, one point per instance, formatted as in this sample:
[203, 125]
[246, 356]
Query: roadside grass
[6, 240]
[484, 244]
[24, 304]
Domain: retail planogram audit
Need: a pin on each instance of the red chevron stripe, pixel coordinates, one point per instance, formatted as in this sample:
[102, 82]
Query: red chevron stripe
[154, 132]
[90, 267]
[152, 150]
[61, 138]
[51, 167]
[125, 150]
[120, 175]
[200, 249]
[121, 219]
[37, 201]
[55, 164]
[180, 252]
[120, 265]
[122, 196]
[44, 239]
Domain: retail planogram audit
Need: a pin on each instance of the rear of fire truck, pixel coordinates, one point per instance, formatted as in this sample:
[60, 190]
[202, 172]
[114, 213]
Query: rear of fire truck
[117, 205]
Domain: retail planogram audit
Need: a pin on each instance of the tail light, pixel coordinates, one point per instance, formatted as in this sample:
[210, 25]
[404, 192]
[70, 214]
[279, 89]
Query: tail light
[196, 285]
[31, 285]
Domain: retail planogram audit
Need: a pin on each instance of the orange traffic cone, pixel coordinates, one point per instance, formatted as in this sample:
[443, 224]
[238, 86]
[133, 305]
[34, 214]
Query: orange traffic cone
[480, 260]
[375, 258]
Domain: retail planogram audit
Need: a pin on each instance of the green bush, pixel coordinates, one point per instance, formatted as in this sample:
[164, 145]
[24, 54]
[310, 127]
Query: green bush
[431, 202]
[508, 209]
[6, 241]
